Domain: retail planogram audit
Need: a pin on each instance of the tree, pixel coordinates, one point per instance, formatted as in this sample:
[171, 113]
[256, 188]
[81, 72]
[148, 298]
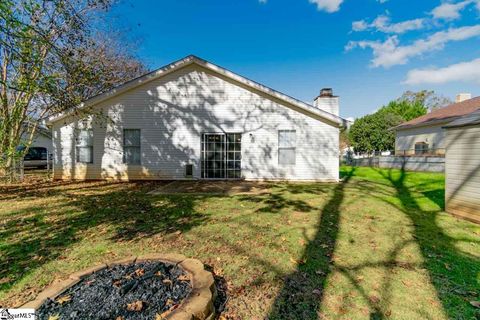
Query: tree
[50, 60]
[407, 110]
[373, 132]
[426, 98]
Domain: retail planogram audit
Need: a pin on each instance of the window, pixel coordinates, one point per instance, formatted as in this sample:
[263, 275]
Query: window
[189, 170]
[234, 155]
[85, 146]
[131, 146]
[287, 140]
[421, 148]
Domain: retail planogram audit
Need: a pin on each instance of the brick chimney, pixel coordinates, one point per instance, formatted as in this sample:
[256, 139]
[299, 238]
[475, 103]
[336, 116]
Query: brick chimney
[462, 97]
[326, 101]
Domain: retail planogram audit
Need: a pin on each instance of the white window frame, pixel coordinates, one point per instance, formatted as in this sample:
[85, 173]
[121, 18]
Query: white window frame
[79, 145]
[292, 147]
[139, 146]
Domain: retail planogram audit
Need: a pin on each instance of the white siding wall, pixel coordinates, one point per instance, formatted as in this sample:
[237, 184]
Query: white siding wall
[40, 140]
[174, 111]
[463, 172]
[433, 135]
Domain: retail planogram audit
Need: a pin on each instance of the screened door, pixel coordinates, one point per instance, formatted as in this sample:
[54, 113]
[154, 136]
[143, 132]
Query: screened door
[221, 155]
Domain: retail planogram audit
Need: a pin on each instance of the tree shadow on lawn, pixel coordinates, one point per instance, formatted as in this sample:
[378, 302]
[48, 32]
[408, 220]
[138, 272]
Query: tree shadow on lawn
[124, 212]
[453, 273]
[303, 290]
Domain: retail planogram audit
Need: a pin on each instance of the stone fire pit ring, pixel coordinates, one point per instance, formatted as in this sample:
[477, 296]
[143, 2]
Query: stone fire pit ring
[198, 305]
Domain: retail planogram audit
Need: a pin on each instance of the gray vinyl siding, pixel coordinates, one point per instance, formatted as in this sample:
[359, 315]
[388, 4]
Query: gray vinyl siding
[433, 135]
[463, 172]
[173, 112]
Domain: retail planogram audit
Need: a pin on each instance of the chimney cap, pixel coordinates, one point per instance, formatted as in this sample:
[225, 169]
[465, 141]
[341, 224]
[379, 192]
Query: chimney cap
[326, 92]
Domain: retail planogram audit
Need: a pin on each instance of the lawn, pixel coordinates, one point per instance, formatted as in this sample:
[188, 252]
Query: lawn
[376, 246]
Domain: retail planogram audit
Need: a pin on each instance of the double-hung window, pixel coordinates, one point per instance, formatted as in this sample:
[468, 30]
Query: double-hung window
[421, 148]
[131, 146]
[84, 147]
[287, 141]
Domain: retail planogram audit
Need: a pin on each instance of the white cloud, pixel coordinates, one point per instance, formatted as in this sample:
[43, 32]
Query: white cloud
[361, 25]
[327, 5]
[262, 1]
[451, 11]
[465, 71]
[383, 24]
[390, 53]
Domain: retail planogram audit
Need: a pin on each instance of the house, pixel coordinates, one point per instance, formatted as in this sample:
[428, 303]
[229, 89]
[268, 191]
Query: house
[42, 139]
[425, 134]
[462, 167]
[195, 120]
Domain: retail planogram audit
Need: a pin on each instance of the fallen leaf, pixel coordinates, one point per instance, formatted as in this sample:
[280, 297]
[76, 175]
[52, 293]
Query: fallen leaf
[320, 272]
[184, 277]
[119, 318]
[167, 281]
[476, 304]
[162, 316]
[55, 317]
[158, 274]
[140, 272]
[135, 306]
[374, 299]
[302, 261]
[64, 299]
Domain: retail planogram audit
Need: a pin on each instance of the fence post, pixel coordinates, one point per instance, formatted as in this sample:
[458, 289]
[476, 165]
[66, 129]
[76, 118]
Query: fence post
[22, 170]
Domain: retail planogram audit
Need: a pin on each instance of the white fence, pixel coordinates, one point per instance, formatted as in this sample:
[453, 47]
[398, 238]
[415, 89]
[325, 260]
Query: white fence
[428, 164]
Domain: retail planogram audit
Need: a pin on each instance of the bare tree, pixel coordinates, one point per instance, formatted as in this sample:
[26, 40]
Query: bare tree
[51, 59]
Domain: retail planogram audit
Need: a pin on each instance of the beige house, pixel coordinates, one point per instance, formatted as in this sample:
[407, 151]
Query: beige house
[195, 120]
[462, 167]
[425, 135]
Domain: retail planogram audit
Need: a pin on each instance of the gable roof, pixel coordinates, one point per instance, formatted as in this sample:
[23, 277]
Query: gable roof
[467, 120]
[191, 59]
[443, 115]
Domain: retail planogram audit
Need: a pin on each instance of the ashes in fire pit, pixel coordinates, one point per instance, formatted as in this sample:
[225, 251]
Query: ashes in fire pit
[145, 290]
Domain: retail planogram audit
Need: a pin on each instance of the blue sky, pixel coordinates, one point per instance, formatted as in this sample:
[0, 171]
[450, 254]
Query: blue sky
[368, 51]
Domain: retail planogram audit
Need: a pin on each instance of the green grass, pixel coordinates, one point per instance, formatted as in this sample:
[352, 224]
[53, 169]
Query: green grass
[377, 246]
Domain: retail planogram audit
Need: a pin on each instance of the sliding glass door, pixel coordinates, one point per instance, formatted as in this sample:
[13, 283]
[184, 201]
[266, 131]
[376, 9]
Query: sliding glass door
[221, 155]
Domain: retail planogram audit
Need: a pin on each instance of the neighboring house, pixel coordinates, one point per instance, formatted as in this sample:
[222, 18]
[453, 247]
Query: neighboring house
[195, 120]
[462, 167]
[425, 134]
[42, 139]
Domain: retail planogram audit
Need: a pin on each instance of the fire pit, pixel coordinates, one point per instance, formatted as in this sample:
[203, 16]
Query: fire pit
[148, 287]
